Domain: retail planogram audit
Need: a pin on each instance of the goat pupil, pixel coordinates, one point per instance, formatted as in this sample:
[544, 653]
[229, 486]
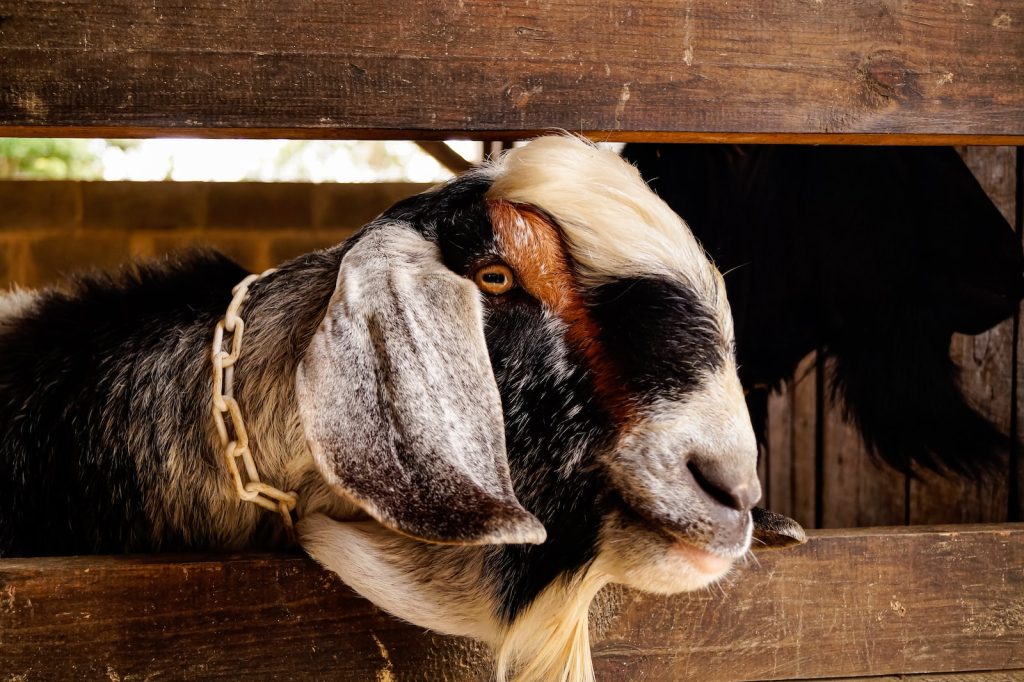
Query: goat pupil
[494, 278]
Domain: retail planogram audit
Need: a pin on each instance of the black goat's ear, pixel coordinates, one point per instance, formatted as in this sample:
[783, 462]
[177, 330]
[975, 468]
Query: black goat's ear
[398, 400]
[775, 531]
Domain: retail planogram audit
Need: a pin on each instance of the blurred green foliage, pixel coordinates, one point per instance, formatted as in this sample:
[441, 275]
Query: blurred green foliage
[53, 159]
[225, 160]
[48, 159]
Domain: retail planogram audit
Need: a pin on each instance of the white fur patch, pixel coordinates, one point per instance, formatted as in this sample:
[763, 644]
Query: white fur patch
[711, 424]
[15, 302]
[551, 639]
[614, 224]
[441, 588]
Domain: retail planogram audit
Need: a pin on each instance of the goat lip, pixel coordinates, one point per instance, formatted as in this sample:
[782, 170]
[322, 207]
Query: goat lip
[705, 553]
[704, 560]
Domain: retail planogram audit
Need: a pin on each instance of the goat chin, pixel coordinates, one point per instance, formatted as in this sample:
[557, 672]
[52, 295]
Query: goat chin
[443, 588]
[551, 639]
[446, 589]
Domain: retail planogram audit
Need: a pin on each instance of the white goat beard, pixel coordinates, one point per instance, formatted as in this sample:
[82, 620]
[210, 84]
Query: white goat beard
[550, 640]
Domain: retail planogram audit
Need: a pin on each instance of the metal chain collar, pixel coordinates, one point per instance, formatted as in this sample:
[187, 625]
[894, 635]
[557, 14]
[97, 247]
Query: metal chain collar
[224, 404]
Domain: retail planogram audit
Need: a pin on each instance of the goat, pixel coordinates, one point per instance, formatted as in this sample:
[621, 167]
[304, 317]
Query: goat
[494, 399]
[875, 256]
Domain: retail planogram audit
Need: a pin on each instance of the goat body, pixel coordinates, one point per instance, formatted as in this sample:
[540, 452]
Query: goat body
[476, 463]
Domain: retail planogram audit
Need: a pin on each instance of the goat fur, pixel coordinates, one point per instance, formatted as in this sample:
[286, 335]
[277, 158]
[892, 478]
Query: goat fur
[874, 256]
[588, 426]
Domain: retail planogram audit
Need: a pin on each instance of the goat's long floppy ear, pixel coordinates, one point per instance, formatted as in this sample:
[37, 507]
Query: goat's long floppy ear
[399, 402]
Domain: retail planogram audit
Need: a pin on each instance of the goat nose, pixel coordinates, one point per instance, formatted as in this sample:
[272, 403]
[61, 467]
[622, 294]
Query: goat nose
[729, 488]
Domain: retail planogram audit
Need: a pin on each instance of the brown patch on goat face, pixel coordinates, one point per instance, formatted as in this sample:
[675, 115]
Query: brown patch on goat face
[532, 246]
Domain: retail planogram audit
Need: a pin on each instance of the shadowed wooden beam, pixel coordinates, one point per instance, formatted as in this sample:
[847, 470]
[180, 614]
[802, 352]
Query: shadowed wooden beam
[869, 71]
[848, 603]
[445, 155]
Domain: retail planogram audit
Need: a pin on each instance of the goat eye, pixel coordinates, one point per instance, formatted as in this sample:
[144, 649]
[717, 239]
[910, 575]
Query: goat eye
[494, 279]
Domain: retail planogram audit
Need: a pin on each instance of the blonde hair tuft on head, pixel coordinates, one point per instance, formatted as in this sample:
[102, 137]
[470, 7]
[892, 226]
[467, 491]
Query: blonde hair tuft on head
[614, 225]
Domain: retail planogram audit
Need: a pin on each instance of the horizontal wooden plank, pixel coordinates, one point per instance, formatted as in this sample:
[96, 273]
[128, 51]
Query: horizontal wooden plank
[674, 136]
[986, 676]
[741, 71]
[848, 603]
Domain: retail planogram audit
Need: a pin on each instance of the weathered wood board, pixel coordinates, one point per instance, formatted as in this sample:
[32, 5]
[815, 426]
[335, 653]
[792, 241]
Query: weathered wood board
[986, 377]
[863, 71]
[849, 603]
[854, 491]
[984, 676]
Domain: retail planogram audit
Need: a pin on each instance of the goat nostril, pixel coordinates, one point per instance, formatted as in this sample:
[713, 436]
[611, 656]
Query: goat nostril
[738, 496]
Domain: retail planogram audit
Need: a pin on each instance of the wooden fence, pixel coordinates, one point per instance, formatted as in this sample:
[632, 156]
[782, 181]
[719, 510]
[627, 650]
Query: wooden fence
[855, 71]
[849, 604]
[817, 469]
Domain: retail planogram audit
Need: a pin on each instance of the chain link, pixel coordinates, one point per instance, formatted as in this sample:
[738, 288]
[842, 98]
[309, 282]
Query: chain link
[228, 417]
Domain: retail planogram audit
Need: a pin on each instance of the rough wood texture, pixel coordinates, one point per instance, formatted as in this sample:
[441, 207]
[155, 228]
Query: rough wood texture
[986, 375]
[791, 448]
[855, 491]
[868, 602]
[985, 676]
[659, 69]
[777, 457]
[859, 491]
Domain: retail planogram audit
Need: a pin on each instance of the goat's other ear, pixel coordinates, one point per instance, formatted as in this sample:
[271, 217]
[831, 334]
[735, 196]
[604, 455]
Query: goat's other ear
[398, 400]
[775, 531]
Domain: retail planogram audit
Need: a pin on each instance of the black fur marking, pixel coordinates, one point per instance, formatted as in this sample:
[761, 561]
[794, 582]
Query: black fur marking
[876, 255]
[77, 376]
[547, 418]
[661, 336]
[84, 375]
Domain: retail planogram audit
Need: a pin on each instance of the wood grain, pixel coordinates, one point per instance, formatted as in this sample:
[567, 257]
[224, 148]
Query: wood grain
[415, 68]
[778, 460]
[855, 602]
[803, 475]
[859, 491]
[986, 369]
[790, 459]
[982, 676]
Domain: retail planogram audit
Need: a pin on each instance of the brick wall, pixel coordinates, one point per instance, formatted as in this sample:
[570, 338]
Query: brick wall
[50, 229]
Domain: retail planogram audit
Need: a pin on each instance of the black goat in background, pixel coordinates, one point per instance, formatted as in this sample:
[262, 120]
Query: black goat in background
[874, 256]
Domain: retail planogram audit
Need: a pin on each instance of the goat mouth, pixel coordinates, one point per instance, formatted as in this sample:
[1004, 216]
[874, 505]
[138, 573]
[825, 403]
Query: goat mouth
[709, 550]
[704, 560]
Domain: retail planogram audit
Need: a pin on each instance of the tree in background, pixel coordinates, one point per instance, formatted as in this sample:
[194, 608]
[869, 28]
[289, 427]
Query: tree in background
[52, 159]
[212, 160]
